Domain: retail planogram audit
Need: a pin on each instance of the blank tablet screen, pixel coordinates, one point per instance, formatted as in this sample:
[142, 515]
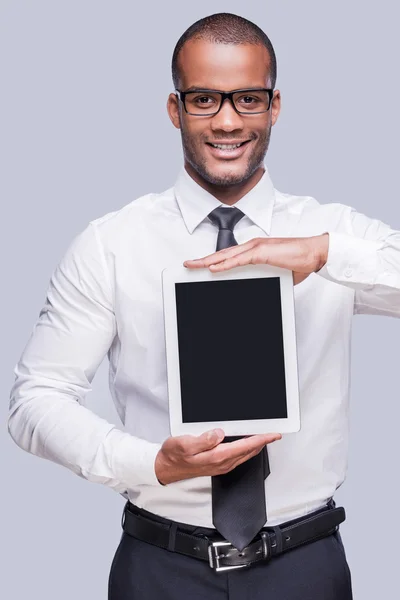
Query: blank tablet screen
[231, 353]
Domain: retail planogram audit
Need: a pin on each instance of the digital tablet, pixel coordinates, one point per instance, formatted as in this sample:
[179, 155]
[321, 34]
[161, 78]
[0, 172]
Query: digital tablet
[231, 350]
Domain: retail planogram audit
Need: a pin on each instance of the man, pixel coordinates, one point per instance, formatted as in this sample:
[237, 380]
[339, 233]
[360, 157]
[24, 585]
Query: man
[105, 298]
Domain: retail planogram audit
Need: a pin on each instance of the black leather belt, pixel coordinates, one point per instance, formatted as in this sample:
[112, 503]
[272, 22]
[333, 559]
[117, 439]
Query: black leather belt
[222, 555]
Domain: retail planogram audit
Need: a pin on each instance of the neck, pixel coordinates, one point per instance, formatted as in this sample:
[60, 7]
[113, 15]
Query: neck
[226, 194]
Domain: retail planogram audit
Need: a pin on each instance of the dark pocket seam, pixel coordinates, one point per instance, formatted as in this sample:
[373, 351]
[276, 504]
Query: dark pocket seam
[116, 555]
[344, 559]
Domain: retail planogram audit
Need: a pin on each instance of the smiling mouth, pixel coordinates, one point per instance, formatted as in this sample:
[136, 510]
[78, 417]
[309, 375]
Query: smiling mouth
[228, 146]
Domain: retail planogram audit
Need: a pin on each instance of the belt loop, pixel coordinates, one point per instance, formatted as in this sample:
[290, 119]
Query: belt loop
[278, 539]
[172, 535]
[266, 545]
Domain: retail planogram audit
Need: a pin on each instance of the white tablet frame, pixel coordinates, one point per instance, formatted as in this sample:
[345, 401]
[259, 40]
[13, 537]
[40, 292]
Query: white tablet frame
[173, 275]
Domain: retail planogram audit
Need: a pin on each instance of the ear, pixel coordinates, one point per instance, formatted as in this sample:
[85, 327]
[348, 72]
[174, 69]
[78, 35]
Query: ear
[275, 106]
[173, 109]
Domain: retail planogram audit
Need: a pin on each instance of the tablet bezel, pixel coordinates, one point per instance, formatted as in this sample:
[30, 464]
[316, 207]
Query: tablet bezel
[291, 424]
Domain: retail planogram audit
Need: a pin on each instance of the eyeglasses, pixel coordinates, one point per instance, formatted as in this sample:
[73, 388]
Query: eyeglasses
[209, 102]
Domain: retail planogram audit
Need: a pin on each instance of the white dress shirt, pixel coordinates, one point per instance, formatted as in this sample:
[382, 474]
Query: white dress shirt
[105, 297]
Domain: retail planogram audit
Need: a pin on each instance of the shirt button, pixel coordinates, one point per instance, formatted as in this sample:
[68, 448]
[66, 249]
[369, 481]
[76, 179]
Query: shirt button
[348, 272]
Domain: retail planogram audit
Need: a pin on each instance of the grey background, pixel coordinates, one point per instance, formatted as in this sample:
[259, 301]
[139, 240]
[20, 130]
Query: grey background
[81, 136]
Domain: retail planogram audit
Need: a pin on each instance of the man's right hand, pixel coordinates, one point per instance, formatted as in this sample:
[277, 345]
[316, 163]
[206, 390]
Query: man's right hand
[187, 456]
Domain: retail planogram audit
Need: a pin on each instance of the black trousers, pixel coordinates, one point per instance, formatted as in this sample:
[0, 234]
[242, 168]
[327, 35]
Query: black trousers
[314, 571]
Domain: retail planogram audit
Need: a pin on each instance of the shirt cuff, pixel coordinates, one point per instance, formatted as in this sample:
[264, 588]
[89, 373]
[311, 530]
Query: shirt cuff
[351, 260]
[133, 460]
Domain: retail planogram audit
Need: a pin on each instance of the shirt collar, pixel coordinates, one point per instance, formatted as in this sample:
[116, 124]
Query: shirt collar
[195, 203]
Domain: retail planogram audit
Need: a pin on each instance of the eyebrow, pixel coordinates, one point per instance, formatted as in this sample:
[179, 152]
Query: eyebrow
[195, 88]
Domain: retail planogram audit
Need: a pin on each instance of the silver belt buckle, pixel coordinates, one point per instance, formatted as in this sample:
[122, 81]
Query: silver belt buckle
[214, 557]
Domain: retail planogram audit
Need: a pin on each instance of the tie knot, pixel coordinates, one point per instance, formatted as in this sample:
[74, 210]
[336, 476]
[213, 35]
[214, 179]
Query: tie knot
[225, 218]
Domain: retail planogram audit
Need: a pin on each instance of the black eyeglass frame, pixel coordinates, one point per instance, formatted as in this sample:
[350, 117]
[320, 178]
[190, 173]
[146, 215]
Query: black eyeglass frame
[224, 95]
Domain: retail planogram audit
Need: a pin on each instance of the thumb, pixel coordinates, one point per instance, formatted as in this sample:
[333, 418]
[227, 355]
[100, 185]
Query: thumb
[207, 440]
[299, 277]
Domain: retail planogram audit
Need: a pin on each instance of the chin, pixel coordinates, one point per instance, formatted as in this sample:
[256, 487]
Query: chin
[226, 176]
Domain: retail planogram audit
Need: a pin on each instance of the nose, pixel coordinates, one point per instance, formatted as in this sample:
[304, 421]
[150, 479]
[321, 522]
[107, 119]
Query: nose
[227, 118]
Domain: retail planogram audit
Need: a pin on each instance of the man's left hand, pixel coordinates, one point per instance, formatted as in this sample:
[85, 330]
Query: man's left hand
[303, 255]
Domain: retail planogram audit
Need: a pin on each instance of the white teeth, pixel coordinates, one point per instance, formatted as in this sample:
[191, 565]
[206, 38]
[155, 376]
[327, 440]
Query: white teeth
[226, 146]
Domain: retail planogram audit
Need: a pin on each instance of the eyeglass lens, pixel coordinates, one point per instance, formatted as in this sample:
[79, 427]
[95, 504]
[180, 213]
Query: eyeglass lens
[204, 103]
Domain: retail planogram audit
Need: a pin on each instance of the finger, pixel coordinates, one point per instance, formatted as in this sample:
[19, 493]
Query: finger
[249, 257]
[193, 444]
[248, 444]
[221, 255]
[245, 458]
[237, 449]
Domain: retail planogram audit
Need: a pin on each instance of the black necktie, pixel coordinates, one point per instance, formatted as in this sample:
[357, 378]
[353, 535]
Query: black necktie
[238, 497]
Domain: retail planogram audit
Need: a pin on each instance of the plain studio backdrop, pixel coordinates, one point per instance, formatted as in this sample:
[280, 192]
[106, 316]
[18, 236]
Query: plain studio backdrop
[84, 130]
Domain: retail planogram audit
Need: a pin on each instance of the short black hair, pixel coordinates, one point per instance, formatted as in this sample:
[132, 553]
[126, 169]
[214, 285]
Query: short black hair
[224, 28]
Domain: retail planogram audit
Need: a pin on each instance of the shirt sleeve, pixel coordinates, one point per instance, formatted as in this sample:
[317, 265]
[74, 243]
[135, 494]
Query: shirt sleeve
[72, 335]
[364, 254]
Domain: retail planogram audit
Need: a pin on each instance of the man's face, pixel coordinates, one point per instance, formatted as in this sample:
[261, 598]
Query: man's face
[223, 67]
